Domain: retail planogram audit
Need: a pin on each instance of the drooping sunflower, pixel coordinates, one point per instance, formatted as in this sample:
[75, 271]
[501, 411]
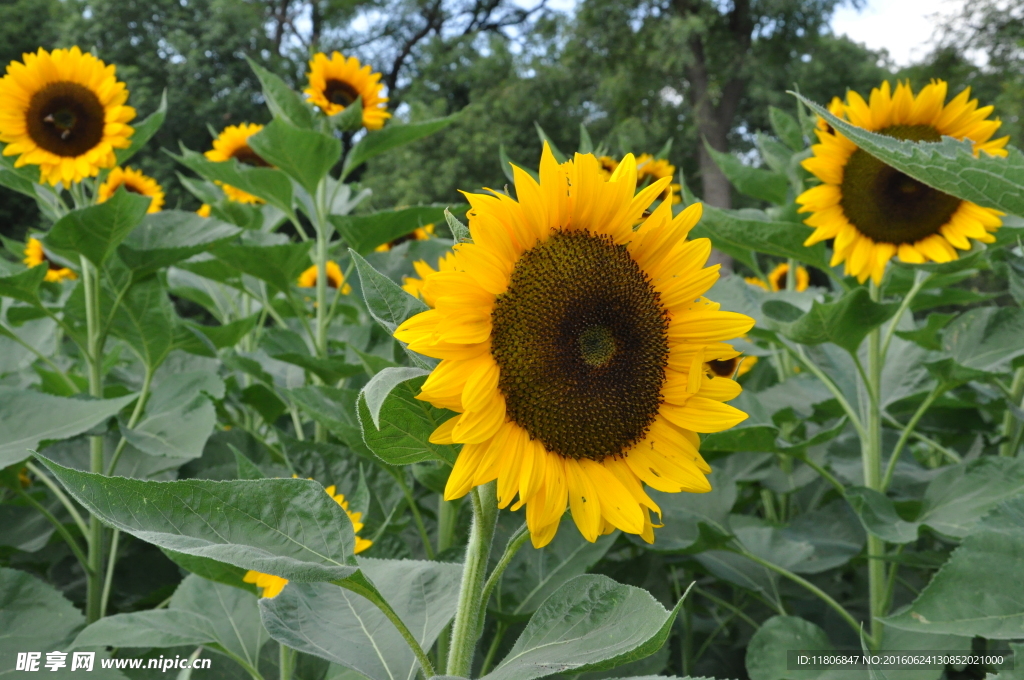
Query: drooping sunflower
[414, 286]
[777, 279]
[273, 585]
[135, 182]
[335, 278]
[35, 256]
[874, 211]
[419, 234]
[336, 82]
[733, 367]
[573, 348]
[65, 112]
[233, 142]
[649, 167]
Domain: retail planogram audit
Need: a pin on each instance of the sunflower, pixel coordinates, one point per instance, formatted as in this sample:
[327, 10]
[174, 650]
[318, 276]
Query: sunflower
[135, 182]
[607, 165]
[733, 367]
[273, 585]
[335, 279]
[836, 108]
[35, 256]
[233, 142]
[204, 210]
[874, 211]
[777, 279]
[336, 82]
[420, 234]
[649, 167]
[414, 286]
[572, 348]
[63, 111]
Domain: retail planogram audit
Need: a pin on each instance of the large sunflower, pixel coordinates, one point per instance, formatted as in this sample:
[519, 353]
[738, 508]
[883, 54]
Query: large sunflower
[63, 111]
[777, 279]
[419, 234]
[336, 82]
[135, 182]
[273, 585]
[233, 142]
[874, 211]
[35, 256]
[573, 348]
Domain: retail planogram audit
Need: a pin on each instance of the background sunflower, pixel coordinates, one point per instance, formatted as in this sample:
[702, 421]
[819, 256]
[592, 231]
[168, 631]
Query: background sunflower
[335, 278]
[777, 279]
[336, 82]
[35, 256]
[135, 182]
[233, 142]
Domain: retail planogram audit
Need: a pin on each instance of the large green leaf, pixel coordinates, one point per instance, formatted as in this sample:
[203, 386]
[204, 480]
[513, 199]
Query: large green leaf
[949, 166]
[283, 101]
[979, 590]
[756, 182]
[270, 184]
[400, 433]
[787, 128]
[365, 232]
[534, 573]
[391, 136]
[212, 570]
[335, 408]
[97, 230]
[179, 417]
[145, 319]
[304, 155]
[348, 629]
[845, 322]
[35, 617]
[171, 236]
[740, 232]
[144, 131]
[200, 612]
[24, 285]
[28, 418]
[286, 527]
[590, 623]
[278, 265]
[985, 339]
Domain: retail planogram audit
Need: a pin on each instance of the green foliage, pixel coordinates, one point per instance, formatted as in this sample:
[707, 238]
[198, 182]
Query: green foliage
[398, 431]
[366, 232]
[96, 232]
[845, 322]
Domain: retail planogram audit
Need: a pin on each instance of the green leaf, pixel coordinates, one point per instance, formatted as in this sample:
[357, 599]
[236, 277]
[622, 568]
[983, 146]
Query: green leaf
[28, 419]
[347, 629]
[270, 184]
[24, 285]
[226, 335]
[559, 156]
[756, 182]
[145, 319]
[380, 386]
[586, 145]
[927, 336]
[365, 232]
[286, 527]
[304, 155]
[278, 265]
[333, 407]
[460, 232]
[400, 434]
[212, 570]
[590, 623]
[201, 612]
[96, 231]
[171, 236]
[144, 131]
[949, 165]
[786, 127]
[694, 522]
[283, 101]
[878, 515]
[391, 136]
[738, 233]
[533, 575]
[350, 119]
[34, 616]
[845, 322]
[985, 339]
[179, 417]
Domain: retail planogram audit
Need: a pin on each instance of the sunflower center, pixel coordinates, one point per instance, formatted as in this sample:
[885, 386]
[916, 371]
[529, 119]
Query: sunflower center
[724, 368]
[66, 119]
[247, 156]
[887, 205]
[580, 338]
[339, 92]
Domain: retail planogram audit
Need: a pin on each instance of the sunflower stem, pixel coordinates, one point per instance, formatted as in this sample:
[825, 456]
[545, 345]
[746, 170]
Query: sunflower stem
[518, 539]
[94, 356]
[871, 454]
[919, 282]
[320, 341]
[890, 468]
[481, 534]
[1011, 433]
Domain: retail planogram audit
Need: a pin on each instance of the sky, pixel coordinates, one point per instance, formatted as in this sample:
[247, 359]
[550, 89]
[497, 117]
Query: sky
[904, 27]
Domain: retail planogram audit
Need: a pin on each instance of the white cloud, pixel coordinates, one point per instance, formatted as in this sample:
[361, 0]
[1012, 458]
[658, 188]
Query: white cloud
[906, 28]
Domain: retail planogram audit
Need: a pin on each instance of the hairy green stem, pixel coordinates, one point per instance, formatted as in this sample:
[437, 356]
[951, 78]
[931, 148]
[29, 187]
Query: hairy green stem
[61, 529]
[133, 420]
[952, 455]
[61, 496]
[94, 575]
[286, 661]
[799, 354]
[728, 605]
[492, 649]
[478, 551]
[109, 579]
[871, 456]
[1011, 428]
[936, 392]
[920, 279]
[515, 542]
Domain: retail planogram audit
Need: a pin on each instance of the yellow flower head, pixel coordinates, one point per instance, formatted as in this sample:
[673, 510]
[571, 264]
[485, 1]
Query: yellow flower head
[336, 82]
[335, 279]
[420, 234]
[572, 347]
[35, 256]
[65, 112]
[733, 367]
[233, 142]
[648, 167]
[777, 279]
[607, 165]
[135, 182]
[837, 108]
[273, 585]
[414, 286]
[874, 211]
[204, 210]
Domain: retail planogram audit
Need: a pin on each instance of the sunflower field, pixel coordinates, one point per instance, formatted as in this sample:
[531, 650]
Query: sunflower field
[583, 425]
